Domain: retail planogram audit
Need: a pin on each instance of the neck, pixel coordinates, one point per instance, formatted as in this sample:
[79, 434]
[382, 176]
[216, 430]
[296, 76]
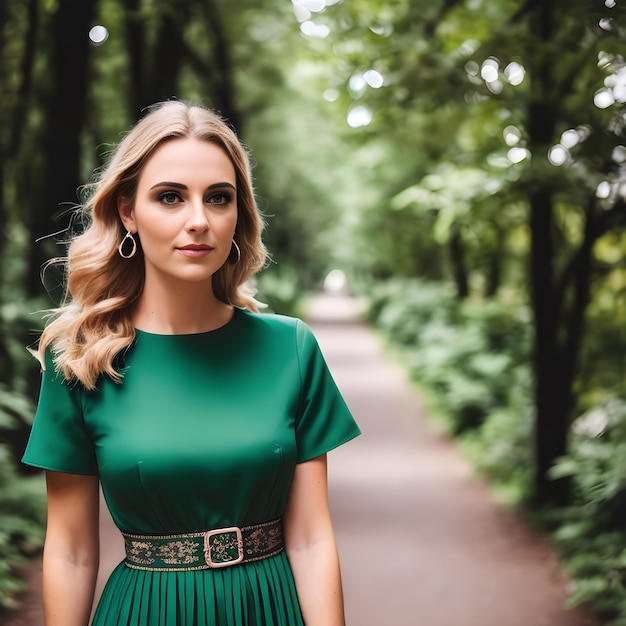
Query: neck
[182, 308]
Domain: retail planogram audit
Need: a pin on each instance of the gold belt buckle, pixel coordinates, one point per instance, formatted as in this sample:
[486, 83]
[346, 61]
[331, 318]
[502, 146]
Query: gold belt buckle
[220, 546]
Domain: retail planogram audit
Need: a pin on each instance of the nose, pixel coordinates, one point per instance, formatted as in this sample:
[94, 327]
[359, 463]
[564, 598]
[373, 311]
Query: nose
[197, 216]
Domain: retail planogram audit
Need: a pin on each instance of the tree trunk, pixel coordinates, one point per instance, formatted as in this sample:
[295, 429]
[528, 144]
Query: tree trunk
[494, 264]
[222, 79]
[65, 118]
[574, 322]
[18, 123]
[155, 69]
[552, 412]
[4, 119]
[553, 384]
[459, 266]
[136, 49]
[13, 116]
[65, 110]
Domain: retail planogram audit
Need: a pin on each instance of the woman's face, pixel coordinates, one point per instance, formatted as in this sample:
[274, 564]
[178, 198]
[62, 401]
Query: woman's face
[185, 211]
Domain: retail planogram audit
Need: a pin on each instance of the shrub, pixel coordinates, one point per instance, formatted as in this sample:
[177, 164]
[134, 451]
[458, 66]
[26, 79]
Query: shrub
[22, 518]
[280, 290]
[466, 351]
[22, 502]
[590, 532]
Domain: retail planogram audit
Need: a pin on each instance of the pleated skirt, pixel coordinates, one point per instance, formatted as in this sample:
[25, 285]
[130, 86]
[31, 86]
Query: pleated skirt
[261, 593]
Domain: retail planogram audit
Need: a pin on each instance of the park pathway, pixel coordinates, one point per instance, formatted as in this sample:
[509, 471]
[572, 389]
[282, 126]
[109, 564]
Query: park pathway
[422, 542]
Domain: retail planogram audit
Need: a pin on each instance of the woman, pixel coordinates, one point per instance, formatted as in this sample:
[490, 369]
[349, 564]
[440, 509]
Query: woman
[206, 423]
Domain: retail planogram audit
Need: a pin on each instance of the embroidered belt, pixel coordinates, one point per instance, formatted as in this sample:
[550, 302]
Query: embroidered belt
[204, 550]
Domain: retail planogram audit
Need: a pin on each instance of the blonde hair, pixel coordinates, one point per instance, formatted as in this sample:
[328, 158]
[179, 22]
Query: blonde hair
[93, 324]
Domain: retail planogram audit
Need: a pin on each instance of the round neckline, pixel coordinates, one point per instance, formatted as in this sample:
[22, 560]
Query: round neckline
[146, 333]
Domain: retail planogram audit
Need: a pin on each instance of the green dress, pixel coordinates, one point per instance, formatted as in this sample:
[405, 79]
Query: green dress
[204, 432]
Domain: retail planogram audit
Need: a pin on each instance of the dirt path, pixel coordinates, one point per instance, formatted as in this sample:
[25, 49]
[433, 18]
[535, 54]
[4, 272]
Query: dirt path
[421, 542]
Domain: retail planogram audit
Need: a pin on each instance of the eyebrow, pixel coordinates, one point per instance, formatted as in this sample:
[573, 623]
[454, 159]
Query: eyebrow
[184, 187]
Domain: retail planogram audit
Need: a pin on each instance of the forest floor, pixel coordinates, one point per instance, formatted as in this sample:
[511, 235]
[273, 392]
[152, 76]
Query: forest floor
[422, 541]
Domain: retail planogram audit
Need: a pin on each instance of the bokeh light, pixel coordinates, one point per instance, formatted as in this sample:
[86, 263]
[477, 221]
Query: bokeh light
[570, 138]
[512, 135]
[302, 13]
[311, 29]
[98, 35]
[359, 116]
[606, 23]
[603, 190]
[374, 79]
[558, 155]
[515, 73]
[384, 30]
[603, 99]
[495, 86]
[315, 6]
[357, 84]
[303, 9]
[616, 82]
[619, 154]
[490, 70]
[517, 155]
[472, 68]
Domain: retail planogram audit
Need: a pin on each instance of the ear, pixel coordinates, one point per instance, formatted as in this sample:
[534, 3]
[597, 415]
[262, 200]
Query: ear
[126, 213]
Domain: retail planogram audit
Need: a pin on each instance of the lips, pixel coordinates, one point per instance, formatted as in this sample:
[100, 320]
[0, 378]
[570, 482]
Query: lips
[195, 250]
[197, 247]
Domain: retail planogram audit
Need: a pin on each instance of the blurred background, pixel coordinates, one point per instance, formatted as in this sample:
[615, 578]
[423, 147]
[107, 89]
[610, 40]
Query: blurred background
[462, 162]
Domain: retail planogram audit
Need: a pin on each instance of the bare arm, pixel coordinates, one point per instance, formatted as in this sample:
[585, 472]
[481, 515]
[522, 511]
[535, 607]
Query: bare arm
[71, 550]
[311, 548]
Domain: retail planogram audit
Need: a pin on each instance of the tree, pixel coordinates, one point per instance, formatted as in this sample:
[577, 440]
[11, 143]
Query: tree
[525, 73]
[65, 113]
[561, 295]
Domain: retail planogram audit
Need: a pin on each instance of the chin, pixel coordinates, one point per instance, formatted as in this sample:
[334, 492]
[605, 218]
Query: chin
[204, 278]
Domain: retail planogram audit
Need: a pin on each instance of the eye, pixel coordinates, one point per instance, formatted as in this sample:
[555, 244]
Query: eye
[220, 198]
[169, 197]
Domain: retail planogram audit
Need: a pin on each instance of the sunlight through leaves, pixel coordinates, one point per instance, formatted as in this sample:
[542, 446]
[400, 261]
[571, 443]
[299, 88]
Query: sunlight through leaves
[98, 35]
[359, 116]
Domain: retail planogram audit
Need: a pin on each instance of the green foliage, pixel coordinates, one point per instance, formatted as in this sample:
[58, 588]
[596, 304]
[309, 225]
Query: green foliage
[13, 406]
[590, 532]
[281, 291]
[305, 195]
[403, 307]
[502, 448]
[474, 356]
[22, 499]
[22, 517]
[597, 462]
[472, 353]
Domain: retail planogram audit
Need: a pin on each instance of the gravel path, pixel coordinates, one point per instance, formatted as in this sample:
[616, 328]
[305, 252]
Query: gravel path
[422, 542]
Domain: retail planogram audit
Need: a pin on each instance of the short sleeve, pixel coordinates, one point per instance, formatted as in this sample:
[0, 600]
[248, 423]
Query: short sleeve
[323, 421]
[59, 440]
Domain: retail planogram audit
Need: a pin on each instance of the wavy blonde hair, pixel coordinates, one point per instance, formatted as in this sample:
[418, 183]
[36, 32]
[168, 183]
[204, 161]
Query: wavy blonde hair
[93, 324]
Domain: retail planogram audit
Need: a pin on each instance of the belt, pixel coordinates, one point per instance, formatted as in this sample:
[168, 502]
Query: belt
[204, 550]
